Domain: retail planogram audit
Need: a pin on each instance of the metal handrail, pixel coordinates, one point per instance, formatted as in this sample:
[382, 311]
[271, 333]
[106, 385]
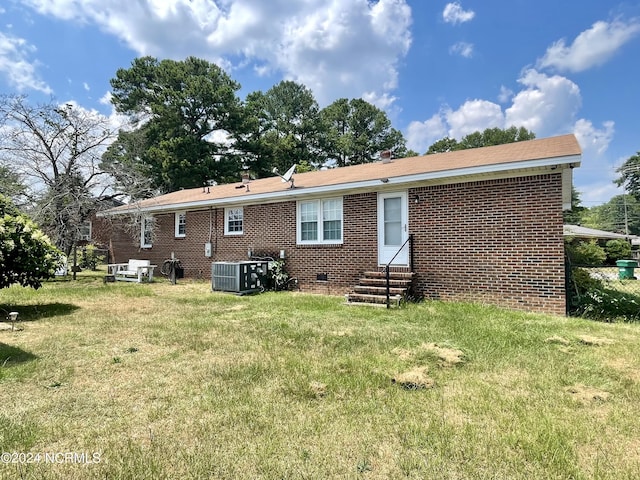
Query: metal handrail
[409, 240]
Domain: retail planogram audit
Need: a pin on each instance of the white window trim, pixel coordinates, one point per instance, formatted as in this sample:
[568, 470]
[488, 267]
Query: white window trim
[319, 202]
[89, 236]
[142, 230]
[177, 224]
[226, 221]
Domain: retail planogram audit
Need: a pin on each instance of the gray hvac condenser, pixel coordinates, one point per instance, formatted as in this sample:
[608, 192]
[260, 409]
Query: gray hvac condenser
[239, 277]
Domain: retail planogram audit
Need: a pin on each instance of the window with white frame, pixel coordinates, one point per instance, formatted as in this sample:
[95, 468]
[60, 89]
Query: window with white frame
[320, 221]
[85, 231]
[181, 224]
[233, 221]
[146, 234]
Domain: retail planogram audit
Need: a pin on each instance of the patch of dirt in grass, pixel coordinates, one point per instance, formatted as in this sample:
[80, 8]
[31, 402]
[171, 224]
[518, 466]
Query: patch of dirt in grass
[414, 379]
[594, 341]
[509, 382]
[625, 367]
[558, 340]
[447, 356]
[318, 390]
[345, 332]
[237, 308]
[586, 394]
[403, 353]
[609, 448]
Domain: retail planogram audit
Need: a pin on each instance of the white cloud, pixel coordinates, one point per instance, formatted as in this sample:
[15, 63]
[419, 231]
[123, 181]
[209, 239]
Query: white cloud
[505, 94]
[592, 139]
[591, 48]
[114, 120]
[454, 13]
[85, 85]
[16, 66]
[463, 49]
[596, 173]
[337, 48]
[597, 193]
[420, 135]
[383, 102]
[117, 121]
[472, 116]
[106, 98]
[547, 105]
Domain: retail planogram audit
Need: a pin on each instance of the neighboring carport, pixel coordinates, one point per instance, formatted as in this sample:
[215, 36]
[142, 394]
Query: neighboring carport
[578, 231]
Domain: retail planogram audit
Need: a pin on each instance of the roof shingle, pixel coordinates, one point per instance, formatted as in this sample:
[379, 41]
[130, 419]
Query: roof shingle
[546, 148]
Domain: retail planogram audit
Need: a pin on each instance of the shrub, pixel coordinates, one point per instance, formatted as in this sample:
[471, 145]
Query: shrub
[591, 298]
[26, 254]
[585, 253]
[609, 305]
[279, 276]
[90, 257]
[616, 250]
[582, 282]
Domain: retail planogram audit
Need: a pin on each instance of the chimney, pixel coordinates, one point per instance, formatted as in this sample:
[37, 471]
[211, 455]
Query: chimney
[385, 156]
[245, 177]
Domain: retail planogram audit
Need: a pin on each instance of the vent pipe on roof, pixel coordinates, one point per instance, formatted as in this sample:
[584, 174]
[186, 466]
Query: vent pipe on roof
[245, 177]
[385, 156]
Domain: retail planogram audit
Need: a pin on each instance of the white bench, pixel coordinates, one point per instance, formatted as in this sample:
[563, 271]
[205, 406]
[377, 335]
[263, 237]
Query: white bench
[132, 271]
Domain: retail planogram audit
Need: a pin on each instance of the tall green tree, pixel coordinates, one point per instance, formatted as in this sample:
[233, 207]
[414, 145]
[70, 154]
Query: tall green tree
[11, 184]
[621, 214]
[574, 216]
[57, 150]
[486, 138]
[630, 175]
[27, 256]
[357, 131]
[188, 110]
[257, 153]
[444, 145]
[126, 160]
[287, 124]
[495, 136]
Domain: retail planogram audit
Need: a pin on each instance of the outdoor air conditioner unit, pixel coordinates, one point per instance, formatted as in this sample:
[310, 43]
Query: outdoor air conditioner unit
[239, 277]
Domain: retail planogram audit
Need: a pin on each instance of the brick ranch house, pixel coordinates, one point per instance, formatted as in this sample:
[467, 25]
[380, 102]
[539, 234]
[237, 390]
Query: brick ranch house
[486, 224]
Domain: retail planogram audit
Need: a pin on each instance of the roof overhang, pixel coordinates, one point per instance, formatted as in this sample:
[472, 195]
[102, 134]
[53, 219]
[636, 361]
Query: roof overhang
[564, 165]
[579, 231]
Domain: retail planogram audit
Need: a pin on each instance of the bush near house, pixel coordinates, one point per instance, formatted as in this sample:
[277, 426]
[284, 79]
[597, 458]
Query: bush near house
[27, 256]
[603, 298]
[580, 252]
[617, 250]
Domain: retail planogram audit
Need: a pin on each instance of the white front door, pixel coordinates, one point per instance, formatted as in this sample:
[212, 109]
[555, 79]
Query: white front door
[393, 229]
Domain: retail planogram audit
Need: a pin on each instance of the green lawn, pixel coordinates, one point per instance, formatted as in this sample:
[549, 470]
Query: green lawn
[174, 381]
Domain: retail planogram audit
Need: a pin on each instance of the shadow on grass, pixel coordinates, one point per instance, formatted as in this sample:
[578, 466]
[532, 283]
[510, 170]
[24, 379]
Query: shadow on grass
[12, 355]
[82, 277]
[29, 313]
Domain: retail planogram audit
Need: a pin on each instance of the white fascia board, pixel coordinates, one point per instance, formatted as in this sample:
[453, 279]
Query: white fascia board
[367, 185]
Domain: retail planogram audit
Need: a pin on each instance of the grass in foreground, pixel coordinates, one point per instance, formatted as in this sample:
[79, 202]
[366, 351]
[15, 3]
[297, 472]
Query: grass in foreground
[167, 381]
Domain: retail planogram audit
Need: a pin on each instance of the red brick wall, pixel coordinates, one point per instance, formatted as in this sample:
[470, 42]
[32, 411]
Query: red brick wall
[267, 230]
[496, 241]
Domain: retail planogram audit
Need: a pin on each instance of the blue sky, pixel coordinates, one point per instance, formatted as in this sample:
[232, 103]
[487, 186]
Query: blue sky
[438, 68]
